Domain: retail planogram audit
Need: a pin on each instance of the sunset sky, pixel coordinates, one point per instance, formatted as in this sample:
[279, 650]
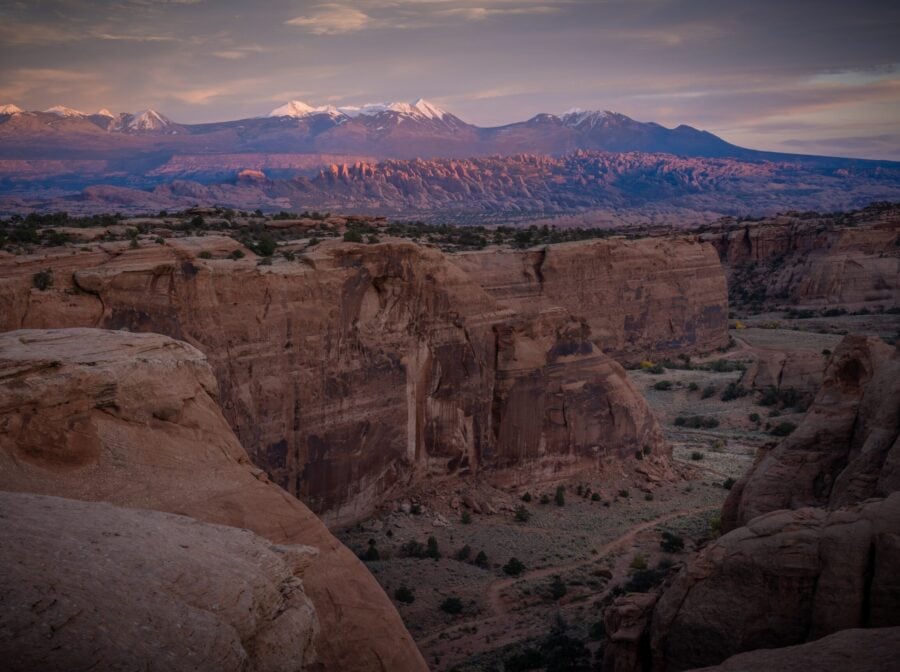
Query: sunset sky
[810, 76]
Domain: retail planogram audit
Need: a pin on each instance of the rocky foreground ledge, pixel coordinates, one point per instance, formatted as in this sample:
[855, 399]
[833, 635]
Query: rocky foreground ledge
[133, 420]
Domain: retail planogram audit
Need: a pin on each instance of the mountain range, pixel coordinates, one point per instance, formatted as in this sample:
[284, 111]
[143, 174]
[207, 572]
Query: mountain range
[395, 156]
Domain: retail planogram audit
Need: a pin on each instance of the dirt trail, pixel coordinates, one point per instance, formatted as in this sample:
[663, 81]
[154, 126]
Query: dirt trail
[499, 607]
[495, 601]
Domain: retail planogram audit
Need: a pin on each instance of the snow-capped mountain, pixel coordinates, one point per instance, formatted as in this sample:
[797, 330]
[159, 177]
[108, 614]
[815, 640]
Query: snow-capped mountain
[421, 109]
[103, 112]
[298, 110]
[148, 121]
[63, 111]
[10, 109]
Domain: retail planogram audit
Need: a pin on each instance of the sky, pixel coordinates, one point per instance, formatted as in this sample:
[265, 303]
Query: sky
[806, 76]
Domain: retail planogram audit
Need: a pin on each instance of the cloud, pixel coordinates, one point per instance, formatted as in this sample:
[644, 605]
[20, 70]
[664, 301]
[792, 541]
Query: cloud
[332, 19]
[482, 13]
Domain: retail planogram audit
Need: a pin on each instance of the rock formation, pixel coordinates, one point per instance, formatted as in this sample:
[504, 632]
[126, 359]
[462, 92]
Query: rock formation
[90, 585]
[133, 419]
[870, 650]
[847, 448]
[648, 298]
[786, 578]
[357, 368]
[814, 540]
[852, 262]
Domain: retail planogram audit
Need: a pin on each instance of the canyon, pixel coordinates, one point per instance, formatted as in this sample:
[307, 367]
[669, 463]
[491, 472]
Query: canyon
[403, 385]
[356, 369]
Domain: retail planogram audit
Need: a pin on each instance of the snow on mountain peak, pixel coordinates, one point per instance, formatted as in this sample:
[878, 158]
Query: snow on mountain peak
[577, 116]
[63, 111]
[149, 120]
[420, 108]
[103, 112]
[10, 109]
[298, 109]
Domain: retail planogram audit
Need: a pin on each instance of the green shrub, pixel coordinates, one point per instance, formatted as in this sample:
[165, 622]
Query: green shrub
[663, 385]
[729, 482]
[734, 391]
[236, 254]
[452, 605]
[545, 498]
[481, 560]
[708, 392]
[638, 562]
[405, 595]
[371, 553]
[431, 549]
[693, 387]
[352, 236]
[514, 567]
[42, 280]
[671, 542]
[526, 497]
[205, 254]
[783, 429]
[523, 515]
[623, 493]
[754, 417]
[696, 455]
[557, 588]
[464, 553]
[595, 497]
[560, 497]
[266, 245]
[466, 518]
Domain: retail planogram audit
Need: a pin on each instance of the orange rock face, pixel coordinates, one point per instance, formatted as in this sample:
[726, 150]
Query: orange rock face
[642, 299]
[815, 264]
[847, 448]
[359, 367]
[133, 419]
[786, 578]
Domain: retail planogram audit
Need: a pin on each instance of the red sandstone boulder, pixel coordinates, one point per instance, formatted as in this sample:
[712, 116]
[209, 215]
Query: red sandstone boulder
[89, 585]
[133, 419]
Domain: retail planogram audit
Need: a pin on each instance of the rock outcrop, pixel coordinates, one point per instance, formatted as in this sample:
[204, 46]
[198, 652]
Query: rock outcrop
[786, 578]
[133, 419]
[358, 368]
[871, 650]
[89, 585]
[655, 297]
[852, 262]
[847, 448]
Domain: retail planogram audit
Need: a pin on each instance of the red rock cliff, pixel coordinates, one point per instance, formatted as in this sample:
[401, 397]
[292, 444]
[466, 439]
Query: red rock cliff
[648, 298]
[133, 419]
[359, 367]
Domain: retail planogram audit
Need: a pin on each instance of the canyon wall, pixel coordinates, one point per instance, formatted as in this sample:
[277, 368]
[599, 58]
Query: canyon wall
[134, 420]
[817, 263]
[648, 298]
[813, 536]
[356, 369]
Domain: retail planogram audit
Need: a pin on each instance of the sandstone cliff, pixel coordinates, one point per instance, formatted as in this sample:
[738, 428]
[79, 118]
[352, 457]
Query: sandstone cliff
[648, 298]
[786, 578]
[847, 448]
[814, 537]
[358, 368]
[852, 263]
[133, 419]
[94, 586]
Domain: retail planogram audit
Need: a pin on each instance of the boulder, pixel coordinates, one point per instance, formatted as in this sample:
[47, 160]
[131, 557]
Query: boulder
[90, 585]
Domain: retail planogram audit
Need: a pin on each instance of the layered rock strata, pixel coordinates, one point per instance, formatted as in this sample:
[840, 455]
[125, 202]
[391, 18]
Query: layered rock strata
[815, 263]
[133, 419]
[847, 448]
[643, 299]
[359, 368]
